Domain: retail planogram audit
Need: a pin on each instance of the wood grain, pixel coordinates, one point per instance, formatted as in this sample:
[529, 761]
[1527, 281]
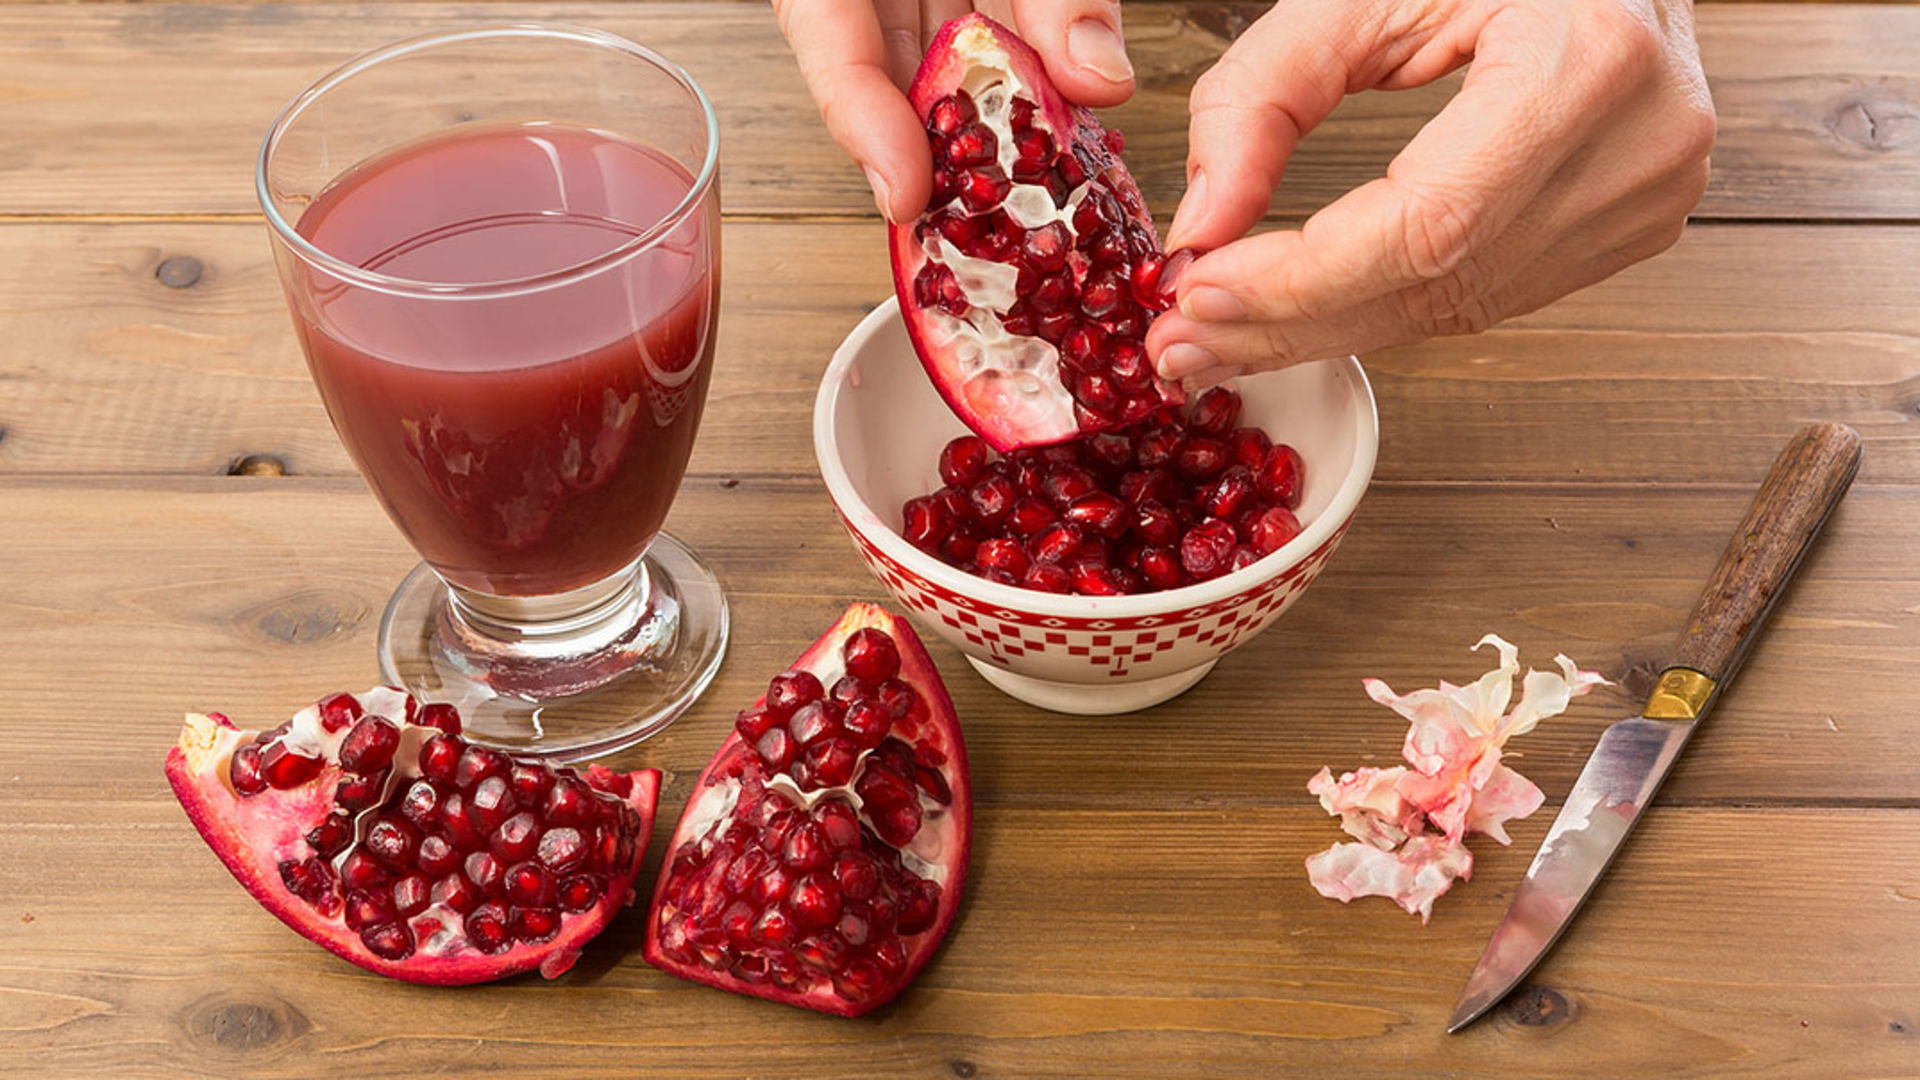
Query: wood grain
[1112, 943]
[253, 595]
[1679, 369]
[1818, 105]
[1806, 483]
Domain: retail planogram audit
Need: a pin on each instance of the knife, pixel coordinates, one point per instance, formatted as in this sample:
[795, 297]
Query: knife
[1633, 756]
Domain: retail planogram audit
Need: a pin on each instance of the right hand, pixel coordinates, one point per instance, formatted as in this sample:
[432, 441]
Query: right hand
[859, 57]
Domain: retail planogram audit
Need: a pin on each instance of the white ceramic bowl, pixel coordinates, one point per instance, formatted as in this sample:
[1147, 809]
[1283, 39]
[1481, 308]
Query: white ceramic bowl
[878, 426]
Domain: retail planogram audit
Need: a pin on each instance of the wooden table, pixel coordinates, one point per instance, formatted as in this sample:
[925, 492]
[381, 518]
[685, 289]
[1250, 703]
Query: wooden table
[182, 531]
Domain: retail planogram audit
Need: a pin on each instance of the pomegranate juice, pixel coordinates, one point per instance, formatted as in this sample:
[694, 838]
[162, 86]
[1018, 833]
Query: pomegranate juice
[525, 419]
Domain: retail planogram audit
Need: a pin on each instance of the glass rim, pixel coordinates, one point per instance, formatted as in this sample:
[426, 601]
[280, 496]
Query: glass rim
[312, 253]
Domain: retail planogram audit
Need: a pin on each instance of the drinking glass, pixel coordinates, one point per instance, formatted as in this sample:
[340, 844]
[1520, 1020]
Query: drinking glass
[500, 247]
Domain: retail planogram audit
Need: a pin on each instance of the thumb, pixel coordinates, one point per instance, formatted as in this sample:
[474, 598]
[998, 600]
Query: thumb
[1081, 44]
[1275, 84]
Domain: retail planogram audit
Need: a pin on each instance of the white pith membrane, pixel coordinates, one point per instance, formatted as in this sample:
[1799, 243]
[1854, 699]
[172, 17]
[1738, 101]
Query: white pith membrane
[1028, 368]
[282, 822]
[716, 808]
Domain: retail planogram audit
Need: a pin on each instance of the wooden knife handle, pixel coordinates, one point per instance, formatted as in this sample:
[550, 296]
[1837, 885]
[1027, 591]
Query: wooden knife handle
[1806, 483]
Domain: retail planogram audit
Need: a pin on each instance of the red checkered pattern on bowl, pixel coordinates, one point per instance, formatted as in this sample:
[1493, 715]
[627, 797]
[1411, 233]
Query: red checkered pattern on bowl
[1119, 646]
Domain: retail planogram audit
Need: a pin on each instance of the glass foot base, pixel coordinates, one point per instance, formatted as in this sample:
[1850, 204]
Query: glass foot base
[588, 683]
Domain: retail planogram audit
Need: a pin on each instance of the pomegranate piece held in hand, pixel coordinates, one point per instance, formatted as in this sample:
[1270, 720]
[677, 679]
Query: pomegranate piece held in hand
[1028, 284]
[368, 825]
[1152, 506]
[822, 854]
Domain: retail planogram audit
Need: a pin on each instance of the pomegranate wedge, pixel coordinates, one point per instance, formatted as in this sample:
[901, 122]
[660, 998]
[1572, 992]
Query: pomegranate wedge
[823, 851]
[368, 825]
[1028, 284]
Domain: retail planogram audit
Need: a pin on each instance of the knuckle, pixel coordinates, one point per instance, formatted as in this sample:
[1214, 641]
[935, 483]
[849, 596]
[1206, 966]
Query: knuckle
[1624, 42]
[1451, 306]
[1435, 234]
[1278, 348]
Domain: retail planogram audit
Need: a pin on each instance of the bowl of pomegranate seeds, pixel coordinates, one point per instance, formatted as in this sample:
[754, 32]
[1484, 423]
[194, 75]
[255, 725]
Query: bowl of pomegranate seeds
[1109, 572]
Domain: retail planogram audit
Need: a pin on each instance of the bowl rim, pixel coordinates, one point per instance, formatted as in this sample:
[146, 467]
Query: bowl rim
[855, 511]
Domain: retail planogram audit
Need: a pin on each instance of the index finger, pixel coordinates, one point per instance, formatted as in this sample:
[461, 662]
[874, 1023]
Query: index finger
[842, 55]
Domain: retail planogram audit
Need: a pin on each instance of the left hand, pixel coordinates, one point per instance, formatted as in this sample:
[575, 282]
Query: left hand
[1576, 147]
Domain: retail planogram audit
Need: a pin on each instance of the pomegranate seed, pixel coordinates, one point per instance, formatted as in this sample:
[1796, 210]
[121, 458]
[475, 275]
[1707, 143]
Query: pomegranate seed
[1201, 458]
[951, 113]
[489, 803]
[1096, 392]
[1058, 544]
[992, 498]
[441, 715]
[515, 839]
[773, 927]
[457, 893]
[1101, 293]
[919, 907]
[777, 749]
[1100, 512]
[392, 842]
[312, 880]
[1045, 249]
[1020, 114]
[487, 928]
[580, 892]
[1206, 549]
[983, 188]
[331, 837]
[1055, 326]
[1065, 483]
[1160, 447]
[568, 803]
[1020, 320]
[368, 907]
[901, 701]
[284, 768]
[1215, 412]
[1130, 323]
[1033, 156]
[243, 770]
[899, 823]
[1130, 370]
[1249, 447]
[1272, 529]
[866, 723]
[832, 761]
[411, 895]
[479, 763]
[1281, 476]
[1084, 348]
[814, 902]
[790, 690]
[964, 460]
[1048, 577]
[388, 941]
[811, 722]
[530, 783]
[338, 710]
[1229, 494]
[437, 856]
[871, 655]
[420, 805]
[1160, 568]
[971, 145]
[529, 885]
[1071, 171]
[1029, 516]
[1003, 554]
[440, 758]
[1052, 295]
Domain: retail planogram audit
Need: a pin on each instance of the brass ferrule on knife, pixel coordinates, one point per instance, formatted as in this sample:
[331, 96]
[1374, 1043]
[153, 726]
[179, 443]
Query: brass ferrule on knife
[1679, 694]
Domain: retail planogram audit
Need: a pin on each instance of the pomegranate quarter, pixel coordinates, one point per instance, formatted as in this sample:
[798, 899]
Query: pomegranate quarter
[368, 825]
[1029, 282]
[822, 854]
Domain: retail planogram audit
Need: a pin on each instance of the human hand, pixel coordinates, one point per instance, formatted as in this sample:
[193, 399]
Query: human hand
[1575, 148]
[859, 56]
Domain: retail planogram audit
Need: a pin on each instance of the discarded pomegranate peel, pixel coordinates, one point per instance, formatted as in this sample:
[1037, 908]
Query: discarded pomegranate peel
[1028, 284]
[408, 851]
[1411, 820]
[823, 852]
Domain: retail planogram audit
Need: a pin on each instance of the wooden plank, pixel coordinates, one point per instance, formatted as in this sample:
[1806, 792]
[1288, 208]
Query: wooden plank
[127, 602]
[1693, 367]
[1817, 103]
[1115, 943]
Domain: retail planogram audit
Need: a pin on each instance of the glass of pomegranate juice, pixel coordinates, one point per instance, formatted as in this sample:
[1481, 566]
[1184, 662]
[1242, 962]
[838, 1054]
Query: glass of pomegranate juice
[501, 250]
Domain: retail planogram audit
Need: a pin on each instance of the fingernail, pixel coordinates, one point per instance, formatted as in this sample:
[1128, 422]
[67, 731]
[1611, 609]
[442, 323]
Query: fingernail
[1196, 383]
[1183, 358]
[1094, 45]
[1210, 303]
[1193, 207]
[882, 194]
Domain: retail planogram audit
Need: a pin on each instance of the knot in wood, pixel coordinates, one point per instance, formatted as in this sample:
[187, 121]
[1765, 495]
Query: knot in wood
[306, 618]
[243, 1027]
[1874, 119]
[1539, 1006]
[179, 271]
[964, 1069]
[257, 465]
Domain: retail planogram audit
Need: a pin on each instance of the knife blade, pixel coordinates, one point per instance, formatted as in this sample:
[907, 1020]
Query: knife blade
[1634, 755]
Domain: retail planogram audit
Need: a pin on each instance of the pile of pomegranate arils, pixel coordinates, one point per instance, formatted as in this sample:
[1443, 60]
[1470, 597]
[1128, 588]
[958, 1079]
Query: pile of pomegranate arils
[1168, 502]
